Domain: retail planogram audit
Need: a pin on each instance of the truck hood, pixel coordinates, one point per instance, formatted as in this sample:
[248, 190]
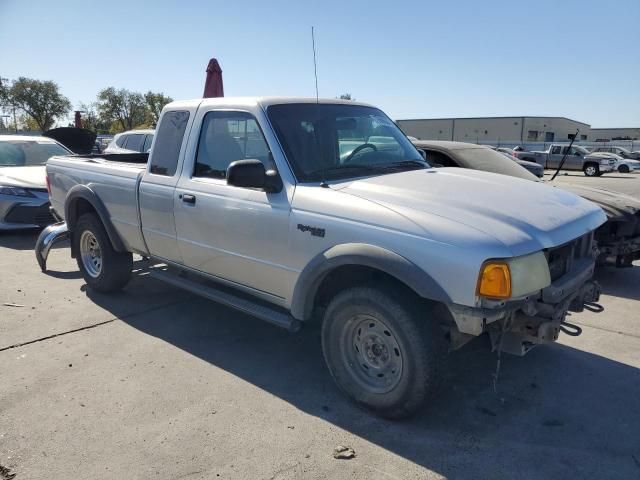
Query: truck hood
[25, 177]
[616, 205]
[524, 216]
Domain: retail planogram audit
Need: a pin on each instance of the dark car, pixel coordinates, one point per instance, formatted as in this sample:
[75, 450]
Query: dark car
[618, 239]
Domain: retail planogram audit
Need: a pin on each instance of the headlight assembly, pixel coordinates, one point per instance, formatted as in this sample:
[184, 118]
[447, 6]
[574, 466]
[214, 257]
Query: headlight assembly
[15, 191]
[513, 277]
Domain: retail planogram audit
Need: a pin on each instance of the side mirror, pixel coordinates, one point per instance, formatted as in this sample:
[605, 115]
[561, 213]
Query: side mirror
[423, 153]
[251, 173]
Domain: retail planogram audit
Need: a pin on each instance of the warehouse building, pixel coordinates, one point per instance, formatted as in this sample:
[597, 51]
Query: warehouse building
[496, 129]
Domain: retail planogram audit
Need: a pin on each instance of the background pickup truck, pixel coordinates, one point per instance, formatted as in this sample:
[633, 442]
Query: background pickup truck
[295, 210]
[578, 158]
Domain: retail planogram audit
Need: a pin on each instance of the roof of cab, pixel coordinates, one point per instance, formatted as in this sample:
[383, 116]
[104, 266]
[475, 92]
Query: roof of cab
[262, 101]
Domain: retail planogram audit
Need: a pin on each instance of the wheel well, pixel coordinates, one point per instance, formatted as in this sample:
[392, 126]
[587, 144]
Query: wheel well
[347, 276]
[78, 208]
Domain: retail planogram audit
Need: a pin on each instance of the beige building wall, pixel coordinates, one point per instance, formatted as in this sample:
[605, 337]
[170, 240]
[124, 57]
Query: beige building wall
[427, 129]
[553, 129]
[487, 129]
[611, 133]
[496, 129]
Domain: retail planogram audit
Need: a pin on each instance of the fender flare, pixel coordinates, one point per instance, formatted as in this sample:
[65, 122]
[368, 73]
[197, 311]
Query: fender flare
[71, 215]
[360, 254]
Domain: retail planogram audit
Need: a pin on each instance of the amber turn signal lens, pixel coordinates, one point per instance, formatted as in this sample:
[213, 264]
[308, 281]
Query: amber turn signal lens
[495, 280]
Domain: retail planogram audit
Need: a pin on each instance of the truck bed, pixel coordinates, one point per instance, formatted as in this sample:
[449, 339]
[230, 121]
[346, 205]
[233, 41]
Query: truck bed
[113, 177]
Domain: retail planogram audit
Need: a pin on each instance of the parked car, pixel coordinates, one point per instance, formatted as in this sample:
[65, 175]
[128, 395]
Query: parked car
[24, 201]
[626, 165]
[131, 141]
[621, 151]
[532, 167]
[294, 209]
[618, 239]
[577, 158]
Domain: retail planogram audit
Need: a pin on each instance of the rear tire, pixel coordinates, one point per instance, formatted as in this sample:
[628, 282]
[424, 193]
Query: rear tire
[623, 169]
[383, 351]
[104, 269]
[591, 170]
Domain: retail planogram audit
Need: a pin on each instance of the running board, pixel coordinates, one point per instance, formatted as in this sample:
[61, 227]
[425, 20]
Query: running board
[262, 312]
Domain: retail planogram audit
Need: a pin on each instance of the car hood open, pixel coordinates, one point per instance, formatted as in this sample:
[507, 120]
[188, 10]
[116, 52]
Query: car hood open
[25, 177]
[524, 216]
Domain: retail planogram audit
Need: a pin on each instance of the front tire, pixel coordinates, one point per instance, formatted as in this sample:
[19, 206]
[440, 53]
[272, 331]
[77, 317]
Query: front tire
[104, 269]
[592, 170]
[382, 350]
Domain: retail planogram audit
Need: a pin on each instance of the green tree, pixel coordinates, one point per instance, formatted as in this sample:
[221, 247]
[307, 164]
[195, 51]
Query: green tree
[92, 120]
[126, 108]
[40, 100]
[155, 103]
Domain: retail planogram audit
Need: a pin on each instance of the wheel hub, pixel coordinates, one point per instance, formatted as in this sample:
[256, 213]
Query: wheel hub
[372, 354]
[90, 253]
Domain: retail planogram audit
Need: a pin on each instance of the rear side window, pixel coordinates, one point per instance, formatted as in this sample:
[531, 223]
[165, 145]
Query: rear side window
[134, 142]
[164, 160]
[147, 143]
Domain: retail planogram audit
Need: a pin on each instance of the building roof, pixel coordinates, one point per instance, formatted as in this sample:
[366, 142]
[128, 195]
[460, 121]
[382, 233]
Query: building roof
[489, 118]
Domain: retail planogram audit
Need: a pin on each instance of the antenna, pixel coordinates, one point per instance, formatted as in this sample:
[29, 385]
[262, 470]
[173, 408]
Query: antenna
[315, 67]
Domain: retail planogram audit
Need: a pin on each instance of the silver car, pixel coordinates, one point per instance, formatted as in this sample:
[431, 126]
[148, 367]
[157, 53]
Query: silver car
[24, 200]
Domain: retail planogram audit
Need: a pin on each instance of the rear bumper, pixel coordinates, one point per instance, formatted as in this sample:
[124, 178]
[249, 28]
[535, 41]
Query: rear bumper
[47, 238]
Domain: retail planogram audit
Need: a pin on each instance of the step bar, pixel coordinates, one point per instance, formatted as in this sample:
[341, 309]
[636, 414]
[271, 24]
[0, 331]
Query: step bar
[263, 312]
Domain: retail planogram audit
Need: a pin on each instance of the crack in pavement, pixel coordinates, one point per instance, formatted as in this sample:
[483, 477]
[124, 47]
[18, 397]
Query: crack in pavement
[626, 334]
[88, 327]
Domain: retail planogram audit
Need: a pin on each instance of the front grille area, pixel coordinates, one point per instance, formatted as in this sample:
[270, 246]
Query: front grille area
[30, 215]
[560, 259]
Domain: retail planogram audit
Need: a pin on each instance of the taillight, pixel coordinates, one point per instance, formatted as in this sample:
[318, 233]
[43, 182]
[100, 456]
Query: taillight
[48, 184]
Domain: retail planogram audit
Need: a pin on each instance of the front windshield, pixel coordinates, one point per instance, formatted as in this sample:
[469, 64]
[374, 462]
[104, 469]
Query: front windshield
[582, 150]
[491, 161]
[334, 141]
[24, 153]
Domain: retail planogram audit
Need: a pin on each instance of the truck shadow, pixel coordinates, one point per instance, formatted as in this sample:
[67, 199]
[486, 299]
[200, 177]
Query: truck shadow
[620, 282]
[558, 412]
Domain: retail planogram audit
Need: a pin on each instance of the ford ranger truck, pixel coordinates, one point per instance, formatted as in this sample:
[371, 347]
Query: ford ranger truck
[296, 210]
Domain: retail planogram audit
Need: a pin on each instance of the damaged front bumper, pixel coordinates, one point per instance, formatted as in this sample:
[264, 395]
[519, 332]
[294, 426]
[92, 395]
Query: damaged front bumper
[517, 325]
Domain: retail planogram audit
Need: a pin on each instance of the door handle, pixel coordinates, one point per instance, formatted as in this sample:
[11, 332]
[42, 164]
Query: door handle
[188, 199]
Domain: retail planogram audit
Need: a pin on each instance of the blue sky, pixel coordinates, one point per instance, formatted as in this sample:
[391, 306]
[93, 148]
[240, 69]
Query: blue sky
[414, 59]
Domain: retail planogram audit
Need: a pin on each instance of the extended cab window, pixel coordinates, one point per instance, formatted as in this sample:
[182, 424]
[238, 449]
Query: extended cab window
[170, 132]
[226, 137]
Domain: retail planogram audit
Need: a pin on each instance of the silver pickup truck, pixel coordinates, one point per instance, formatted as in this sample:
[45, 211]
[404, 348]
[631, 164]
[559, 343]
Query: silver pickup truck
[294, 210]
[575, 158]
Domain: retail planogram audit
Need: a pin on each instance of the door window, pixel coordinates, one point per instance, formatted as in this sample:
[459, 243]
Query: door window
[556, 150]
[134, 142]
[226, 137]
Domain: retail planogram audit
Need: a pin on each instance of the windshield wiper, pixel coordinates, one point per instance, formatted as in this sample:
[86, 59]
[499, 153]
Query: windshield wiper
[405, 163]
[323, 171]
